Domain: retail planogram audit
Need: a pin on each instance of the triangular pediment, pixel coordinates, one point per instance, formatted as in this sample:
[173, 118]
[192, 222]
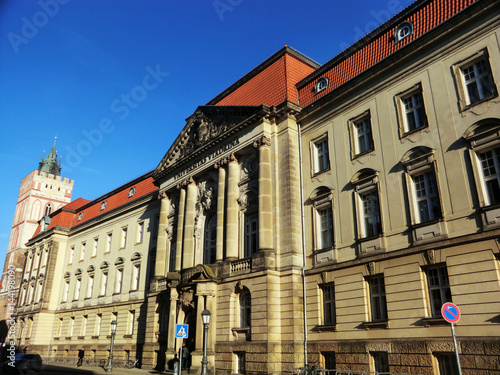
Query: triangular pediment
[204, 128]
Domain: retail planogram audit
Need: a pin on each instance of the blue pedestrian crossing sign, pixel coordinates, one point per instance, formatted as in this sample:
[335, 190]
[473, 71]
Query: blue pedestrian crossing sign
[181, 331]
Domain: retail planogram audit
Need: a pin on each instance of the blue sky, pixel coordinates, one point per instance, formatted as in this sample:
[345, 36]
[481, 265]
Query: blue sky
[78, 70]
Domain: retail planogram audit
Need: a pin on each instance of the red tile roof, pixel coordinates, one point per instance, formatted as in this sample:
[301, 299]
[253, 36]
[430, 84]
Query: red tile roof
[425, 15]
[271, 83]
[67, 216]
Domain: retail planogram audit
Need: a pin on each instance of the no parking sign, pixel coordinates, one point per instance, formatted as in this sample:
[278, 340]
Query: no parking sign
[450, 312]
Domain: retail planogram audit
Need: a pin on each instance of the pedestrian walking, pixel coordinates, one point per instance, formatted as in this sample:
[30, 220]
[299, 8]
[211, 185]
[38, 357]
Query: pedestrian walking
[81, 356]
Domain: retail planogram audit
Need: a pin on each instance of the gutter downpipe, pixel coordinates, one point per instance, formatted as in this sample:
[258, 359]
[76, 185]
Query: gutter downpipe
[303, 245]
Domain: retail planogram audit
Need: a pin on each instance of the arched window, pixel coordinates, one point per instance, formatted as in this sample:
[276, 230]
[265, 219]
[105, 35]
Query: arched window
[48, 210]
[210, 240]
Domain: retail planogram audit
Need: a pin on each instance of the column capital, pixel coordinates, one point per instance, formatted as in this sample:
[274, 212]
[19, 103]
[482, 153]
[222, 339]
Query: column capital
[185, 182]
[262, 141]
[163, 195]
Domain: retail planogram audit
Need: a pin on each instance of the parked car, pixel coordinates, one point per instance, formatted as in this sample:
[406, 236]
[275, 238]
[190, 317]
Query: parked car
[24, 363]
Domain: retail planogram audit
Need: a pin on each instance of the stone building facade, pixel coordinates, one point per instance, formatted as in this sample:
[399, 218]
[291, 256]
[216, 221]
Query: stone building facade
[320, 213]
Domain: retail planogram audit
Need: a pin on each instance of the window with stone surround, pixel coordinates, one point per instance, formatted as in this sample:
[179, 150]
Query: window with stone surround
[380, 362]
[320, 159]
[251, 233]
[447, 363]
[378, 302]
[367, 203]
[65, 294]
[474, 79]
[322, 214]
[328, 361]
[95, 247]
[239, 363]
[438, 287]
[328, 302]
[210, 239]
[140, 232]
[421, 182]
[361, 134]
[411, 110]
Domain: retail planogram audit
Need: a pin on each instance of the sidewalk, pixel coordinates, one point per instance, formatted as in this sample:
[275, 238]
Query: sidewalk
[89, 370]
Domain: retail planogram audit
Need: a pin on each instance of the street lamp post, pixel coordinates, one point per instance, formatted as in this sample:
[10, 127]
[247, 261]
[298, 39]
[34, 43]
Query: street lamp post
[109, 366]
[205, 315]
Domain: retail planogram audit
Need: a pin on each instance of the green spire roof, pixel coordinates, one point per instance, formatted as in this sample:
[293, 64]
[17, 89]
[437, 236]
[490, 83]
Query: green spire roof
[50, 164]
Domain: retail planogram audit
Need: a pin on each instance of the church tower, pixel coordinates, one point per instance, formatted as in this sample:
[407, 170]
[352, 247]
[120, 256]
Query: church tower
[42, 192]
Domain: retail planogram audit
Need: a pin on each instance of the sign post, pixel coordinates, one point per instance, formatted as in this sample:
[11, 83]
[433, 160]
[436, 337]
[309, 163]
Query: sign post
[451, 314]
[181, 332]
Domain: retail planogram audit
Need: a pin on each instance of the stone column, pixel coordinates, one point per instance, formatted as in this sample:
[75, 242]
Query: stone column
[172, 321]
[180, 227]
[232, 209]
[161, 248]
[219, 249]
[190, 213]
[265, 194]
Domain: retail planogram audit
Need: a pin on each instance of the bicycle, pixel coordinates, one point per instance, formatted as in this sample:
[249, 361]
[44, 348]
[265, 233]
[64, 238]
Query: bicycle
[131, 364]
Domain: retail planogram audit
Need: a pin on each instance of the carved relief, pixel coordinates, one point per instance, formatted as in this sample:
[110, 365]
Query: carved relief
[371, 268]
[430, 257]
[186, 297]
[247, 199]
[170, 228]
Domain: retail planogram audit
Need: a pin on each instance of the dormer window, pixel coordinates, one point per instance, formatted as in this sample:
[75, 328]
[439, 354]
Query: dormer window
[320, 85]
[80, 216]
[403, 31]
[103, 205]
[131, 192]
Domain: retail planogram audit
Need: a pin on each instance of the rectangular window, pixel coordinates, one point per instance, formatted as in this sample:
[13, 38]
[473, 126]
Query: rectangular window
[136, 268]
[362, 136]
[65, 290]
[439, 288]
[251, 234]
[82, 250]
[108, 242]
[124, 238]
[370, 214]
[90, 286]
[140, 232]
[59, 327]
[490, 169]
[329, 313]
[118, 280]
[447, 363]
[328, 361]
[378, 303]
[98, 322]
[104, 282]
[95, 247]
[477, 81]
[83, 330]
[71, 254]
[325, 227]
[71, 326]
[414, 112]
[131, 321]
[380, 362]
[172, 255]
[321, 159]
[426, 194]
[76, 295]
[30, 327]
[239, 363]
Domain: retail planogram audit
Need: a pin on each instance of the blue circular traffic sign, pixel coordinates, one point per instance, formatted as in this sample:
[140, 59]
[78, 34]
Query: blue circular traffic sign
[450, 312]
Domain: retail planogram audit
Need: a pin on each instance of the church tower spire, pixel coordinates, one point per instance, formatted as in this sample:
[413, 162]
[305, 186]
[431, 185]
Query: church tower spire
[50, 164]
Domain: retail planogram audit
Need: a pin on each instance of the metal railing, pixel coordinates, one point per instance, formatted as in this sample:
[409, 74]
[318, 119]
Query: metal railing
[97, 362]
